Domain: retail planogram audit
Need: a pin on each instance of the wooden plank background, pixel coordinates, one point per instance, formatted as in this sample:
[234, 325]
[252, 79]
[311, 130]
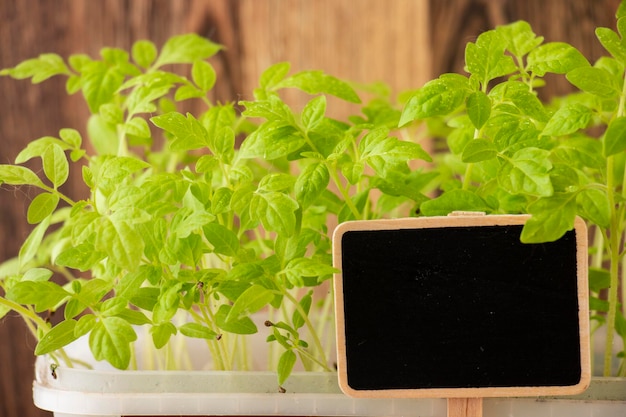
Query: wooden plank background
[401, 42]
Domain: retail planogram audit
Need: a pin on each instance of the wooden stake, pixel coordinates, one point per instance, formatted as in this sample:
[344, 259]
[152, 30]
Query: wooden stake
[465, 407]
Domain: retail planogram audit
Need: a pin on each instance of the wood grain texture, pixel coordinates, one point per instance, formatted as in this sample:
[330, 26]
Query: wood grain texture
[399, 41]
[465, 407]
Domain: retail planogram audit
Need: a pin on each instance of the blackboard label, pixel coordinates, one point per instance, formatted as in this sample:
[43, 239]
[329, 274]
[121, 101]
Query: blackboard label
[459, 307]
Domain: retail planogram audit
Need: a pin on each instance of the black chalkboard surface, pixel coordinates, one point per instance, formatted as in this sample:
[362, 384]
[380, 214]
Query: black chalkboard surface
[458, 307]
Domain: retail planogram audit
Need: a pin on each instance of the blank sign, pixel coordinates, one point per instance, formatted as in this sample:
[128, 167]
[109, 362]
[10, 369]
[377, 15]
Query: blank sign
[459, 307]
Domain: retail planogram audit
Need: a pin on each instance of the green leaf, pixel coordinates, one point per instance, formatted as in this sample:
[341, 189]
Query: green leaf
[120, 242]
[615, 137]
[59, 336]
[271, 141]
[197, 330]
[454, 200]
[317, 82]
[567, 120]
[100, 82]
[244, 325]
[224, 240]
[612, 43]
[137, 126]
[520, 37]
[82, 257]
[478, 108]
[250, 301]
[438, 97]
[551, 218]
[300, 268]
[44, 295]
[186, 49]
[41, 207]
[596, 81]
[274, 74]
[203, 75]
[555, 57]
[31, 245]
[305, 303]
[72, 137]
[110, 340]
[55, 165]
[220, 203]
[39, 69]
[161, 333]
[311, 182]
[594, 206]
[84, 325]
[285, 365]
[479, 150]
[144, 53]
[313, 112]
[276, 211]
[18, 175]
[527, 172]
[486, 60]
[188, 133]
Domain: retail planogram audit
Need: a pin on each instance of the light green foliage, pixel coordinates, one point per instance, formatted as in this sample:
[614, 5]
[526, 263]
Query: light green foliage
[180, 221]
[509, 152]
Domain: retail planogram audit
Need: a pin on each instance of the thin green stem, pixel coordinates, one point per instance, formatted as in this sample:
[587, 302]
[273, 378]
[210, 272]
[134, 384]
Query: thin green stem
[614, 252]
[345, 194]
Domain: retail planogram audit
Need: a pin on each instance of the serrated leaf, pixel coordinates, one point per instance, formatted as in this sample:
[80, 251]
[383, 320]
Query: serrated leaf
[596, 81]
[612, 43]
[223, 240]
[137, 126]
[318, 82]
[454, 200]
[188, 133]
[274, 74]
[520, 37]
[479, 150]
[311, 182]
[120, 242]
[18, 175]
[551, 218]
[100, 82]
[567, 120]
[39, 69]
[59, 336]
[485, 58]
[110, 340]
[438, 97]
[555, 57]
[44, 295]
[313, 112]
[594, 205]
[276, 211]
[41, 207]
[81, 257]
[197, 330]
[615, 137]
[186, 49]
[271, 141]
[527, 172]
